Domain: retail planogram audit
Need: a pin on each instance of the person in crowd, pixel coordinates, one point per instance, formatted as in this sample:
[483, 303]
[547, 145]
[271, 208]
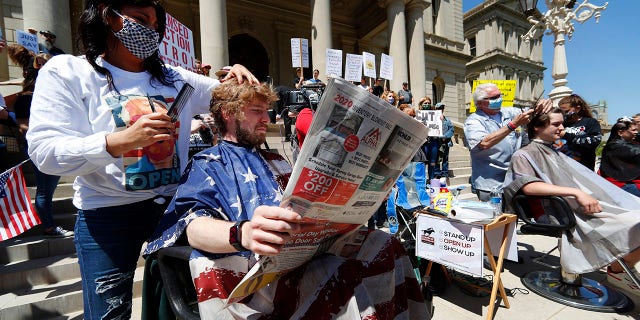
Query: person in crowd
[204, 133]
[608, 220]
[636, 120]
[222, 72]
[49, 43]
[582, 133]
[315, 79]
[298, 81]
[391, 97]
[255, 223]
[493, 134]
[445, 142]
[620, 163]
[363, 84]
[23, 58]
[378, 90]
[405, 95]
[206, 69]
[406, 108]
[110, 128]
[424, 104]
[198, 67]
[45, 183]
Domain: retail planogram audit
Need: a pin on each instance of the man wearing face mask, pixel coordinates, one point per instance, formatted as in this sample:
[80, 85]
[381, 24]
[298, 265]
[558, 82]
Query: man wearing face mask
[492, 135]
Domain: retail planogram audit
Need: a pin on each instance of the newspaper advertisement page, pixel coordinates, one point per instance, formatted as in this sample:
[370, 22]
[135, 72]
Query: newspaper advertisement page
[355, 149]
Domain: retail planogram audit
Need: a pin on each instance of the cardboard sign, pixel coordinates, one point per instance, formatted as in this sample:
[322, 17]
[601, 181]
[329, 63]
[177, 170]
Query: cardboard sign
[28, 40]
[386, 67]
[431, 119]
[454, 244]
[369, 64]
[507, 88]
[299, 52]
[353, 67]
[176, 48]
[334, 63]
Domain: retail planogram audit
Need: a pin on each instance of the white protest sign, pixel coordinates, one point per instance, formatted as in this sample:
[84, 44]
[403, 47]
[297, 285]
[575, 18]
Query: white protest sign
[299, 52]
[28, 40]
[176, 48]
[334, 63]
[457, 245]
[369, 64]
[353, 67]
[431, 119]
[386, 67]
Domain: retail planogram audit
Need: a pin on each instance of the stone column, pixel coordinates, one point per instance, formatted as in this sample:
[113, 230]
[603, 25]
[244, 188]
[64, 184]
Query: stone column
[417, 78]
[320, 34]
[52, 15]
[397, 42]
[213, 33]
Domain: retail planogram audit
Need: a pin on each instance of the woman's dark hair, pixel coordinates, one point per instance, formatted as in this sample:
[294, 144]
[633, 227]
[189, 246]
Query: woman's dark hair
[541, 120]
[93, 31]
[621, 125]
[575, 100]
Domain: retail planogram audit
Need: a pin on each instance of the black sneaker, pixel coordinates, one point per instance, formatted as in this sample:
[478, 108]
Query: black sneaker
[58, 232]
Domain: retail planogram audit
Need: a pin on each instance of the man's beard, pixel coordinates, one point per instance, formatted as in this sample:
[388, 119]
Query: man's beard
[245, 137]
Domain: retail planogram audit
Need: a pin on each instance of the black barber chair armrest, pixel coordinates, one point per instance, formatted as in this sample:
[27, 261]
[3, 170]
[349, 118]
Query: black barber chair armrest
[178, 285]
[544, 215]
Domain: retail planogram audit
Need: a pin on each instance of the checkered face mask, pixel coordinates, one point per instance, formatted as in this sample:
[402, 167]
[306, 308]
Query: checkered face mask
[141, 41]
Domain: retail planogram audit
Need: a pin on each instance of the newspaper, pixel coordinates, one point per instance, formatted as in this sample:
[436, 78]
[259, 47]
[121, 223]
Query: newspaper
[355, 150]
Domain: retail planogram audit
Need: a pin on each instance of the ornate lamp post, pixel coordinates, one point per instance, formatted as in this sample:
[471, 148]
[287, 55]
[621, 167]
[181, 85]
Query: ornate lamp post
[559, 21]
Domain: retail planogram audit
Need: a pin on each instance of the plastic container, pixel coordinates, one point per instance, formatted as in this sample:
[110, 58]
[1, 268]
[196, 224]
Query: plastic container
[444, 198]
[434, 189]
[496, 201]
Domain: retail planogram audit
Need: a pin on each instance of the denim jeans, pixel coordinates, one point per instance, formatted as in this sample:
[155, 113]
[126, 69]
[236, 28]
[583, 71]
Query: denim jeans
[430, 149]
[45, 187]
[108, 242]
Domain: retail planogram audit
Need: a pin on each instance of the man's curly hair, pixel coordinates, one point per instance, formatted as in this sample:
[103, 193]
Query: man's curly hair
[230, 97]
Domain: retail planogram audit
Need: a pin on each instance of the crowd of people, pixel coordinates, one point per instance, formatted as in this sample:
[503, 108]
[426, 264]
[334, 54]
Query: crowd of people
[137, 181]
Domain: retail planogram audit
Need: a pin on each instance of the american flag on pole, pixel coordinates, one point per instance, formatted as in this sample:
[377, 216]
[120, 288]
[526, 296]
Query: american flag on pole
[17, 215]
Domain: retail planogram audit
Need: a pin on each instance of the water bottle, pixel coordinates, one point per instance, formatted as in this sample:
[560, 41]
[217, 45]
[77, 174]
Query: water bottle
[496, 201]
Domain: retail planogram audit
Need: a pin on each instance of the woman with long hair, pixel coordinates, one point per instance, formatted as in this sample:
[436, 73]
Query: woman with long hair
[582, 133]
[620, 162]
[102, 117]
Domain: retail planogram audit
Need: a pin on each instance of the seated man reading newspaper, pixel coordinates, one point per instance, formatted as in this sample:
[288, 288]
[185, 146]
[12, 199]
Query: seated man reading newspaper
[227, 207]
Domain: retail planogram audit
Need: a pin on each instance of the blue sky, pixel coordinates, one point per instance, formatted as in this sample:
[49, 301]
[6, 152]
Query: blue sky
[602, 57]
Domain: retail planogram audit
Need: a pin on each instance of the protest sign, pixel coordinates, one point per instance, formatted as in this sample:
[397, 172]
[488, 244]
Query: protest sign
[28, 40]
[353, 67]
[386, 67]
[451, 243]
[299, 52]
[431, 119]
[176, 48]
[334, 63]
[369, 64]
[507, 88]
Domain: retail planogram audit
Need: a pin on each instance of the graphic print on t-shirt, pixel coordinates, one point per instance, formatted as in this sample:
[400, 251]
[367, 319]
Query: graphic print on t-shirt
[152, 166]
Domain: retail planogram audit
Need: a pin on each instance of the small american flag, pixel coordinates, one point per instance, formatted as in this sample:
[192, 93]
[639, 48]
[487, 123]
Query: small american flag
[17, 215]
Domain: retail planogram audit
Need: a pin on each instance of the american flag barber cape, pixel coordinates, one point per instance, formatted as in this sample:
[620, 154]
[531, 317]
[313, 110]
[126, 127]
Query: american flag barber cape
[228, 182]
[17, 215]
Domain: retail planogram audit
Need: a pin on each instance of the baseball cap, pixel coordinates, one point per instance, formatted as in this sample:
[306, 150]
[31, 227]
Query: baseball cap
[223, 72]
[405, 83]
[206, 66]
[439, 105]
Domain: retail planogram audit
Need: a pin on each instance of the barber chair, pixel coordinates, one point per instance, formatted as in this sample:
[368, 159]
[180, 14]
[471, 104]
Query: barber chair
[178, 285]
[557, 285]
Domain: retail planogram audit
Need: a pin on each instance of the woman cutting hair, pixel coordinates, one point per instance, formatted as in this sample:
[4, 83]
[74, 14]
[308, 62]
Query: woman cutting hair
[103, 118]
